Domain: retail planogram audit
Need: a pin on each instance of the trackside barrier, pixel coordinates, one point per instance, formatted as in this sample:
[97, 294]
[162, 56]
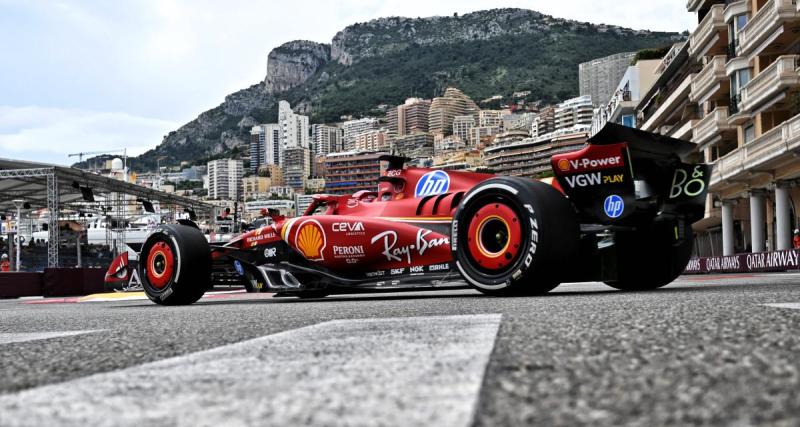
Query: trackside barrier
[52, 282]
[746, 263]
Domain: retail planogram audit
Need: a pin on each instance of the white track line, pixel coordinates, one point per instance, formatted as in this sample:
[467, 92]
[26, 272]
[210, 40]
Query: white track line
[398, 371]
[792, 305]
[7, 338]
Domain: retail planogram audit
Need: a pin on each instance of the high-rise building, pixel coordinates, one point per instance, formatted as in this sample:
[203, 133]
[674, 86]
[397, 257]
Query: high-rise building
[412, 116]
[416, 146]
[225, 179]
[296, 167]
[326, 139]
[353, 128]
[351, 171]
[483, 136]
[294, 127]
[374, 140]
[445, 108]
[621, 109]
[462, 126]
[574, 112]
[489, 118]
[265, 146]
[599, 77]
[518, 121]
[544, 123]
[530, 157]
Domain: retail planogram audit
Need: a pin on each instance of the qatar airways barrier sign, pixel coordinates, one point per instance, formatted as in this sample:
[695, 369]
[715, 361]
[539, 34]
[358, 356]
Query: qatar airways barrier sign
[745, 263]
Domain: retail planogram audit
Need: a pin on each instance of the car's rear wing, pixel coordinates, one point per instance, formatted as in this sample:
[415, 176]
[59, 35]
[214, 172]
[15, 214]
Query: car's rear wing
[625, 174]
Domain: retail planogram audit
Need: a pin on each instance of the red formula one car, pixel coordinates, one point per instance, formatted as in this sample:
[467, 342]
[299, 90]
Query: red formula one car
[619, 211]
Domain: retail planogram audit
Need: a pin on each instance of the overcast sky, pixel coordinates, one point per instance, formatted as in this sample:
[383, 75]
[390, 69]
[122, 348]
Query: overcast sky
[87, 75]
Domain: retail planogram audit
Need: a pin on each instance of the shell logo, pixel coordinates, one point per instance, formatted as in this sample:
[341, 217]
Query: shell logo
[563, 164]
[310, 240]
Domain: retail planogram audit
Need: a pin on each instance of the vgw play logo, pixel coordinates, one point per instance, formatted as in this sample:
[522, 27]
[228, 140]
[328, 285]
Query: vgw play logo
[432, 183]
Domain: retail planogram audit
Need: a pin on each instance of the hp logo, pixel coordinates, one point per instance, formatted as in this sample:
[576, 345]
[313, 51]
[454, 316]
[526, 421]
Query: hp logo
[432, 183]
[614, 206]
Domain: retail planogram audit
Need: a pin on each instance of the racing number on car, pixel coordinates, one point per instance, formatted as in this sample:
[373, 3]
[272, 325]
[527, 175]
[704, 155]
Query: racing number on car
[683, 185]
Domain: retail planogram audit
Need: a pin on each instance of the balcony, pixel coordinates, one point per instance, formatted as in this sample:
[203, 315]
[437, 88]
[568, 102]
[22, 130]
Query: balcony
[676, 97]
[708, 31]
[762, 154]
[764, 26]
[711, 126]
[695, 5]
[770, 83]
[708, 82]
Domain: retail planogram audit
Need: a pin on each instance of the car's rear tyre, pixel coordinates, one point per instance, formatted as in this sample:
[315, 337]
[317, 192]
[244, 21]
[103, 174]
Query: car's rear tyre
[175, 267]
[651, 258]
[513, 236]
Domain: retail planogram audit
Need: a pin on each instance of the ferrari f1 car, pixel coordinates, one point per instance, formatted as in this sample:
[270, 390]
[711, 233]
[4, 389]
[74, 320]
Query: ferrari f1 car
[618, 210]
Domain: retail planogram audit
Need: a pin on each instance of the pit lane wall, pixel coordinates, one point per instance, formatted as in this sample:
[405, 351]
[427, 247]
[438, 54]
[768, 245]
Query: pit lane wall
[746, 263]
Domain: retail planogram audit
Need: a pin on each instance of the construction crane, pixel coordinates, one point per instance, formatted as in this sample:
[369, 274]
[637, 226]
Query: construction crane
[91, 153]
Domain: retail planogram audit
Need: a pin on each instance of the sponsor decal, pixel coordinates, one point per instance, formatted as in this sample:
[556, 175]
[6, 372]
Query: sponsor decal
[348, 228]
[310, 240]
[584, 180]
[394, 172]
[349, 253]
[432, 183]
[438, 267]
[683, 185]
[378, 273]
[270, 252]
[239, 268]
[588, 165]
[394, 253]
[613, 206]
[396, 271]
[613, 179]
[417, 269]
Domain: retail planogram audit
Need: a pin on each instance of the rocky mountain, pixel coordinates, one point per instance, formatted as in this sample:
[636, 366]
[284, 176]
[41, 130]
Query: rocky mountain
[384, 61]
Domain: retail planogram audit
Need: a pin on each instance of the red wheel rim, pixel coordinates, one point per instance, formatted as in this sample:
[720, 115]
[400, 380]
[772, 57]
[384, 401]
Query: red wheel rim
[160, 264]
[494, 236]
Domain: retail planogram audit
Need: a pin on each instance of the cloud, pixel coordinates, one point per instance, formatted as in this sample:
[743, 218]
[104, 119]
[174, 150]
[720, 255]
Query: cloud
[50, 134]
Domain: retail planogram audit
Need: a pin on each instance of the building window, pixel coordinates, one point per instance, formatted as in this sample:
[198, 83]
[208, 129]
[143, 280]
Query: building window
[739, 21]
[629, 120]
[749, 133]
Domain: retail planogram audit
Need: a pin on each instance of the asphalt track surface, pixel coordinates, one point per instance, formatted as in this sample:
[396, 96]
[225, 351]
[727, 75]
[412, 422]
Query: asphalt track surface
[719, 350]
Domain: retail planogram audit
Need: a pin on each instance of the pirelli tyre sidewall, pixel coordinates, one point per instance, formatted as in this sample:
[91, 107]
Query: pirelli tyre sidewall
[175, 265]
[548, 230]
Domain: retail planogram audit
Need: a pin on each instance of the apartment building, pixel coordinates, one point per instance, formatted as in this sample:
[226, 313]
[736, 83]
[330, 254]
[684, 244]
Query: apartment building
[529, 157]
[374, 140]
[599, 77]
[348, 172]
[265, 146]
[296, 167]
[462, 126]
[544, 123]
[326, 139]
[621, 109]
[416, 146]
[445, 108]
[255, 187]
[225, 179]
[352, 128]
[410, 117]
[491, 118]
[574, 112]
[293, 127]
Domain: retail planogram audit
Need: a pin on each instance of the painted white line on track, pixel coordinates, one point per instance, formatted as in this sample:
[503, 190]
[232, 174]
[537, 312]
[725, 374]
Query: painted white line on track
[792, 305]
[14, 337]
[397, 371]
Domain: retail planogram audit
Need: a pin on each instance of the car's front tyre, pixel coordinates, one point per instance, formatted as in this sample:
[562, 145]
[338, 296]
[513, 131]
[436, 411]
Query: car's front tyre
[175, 265]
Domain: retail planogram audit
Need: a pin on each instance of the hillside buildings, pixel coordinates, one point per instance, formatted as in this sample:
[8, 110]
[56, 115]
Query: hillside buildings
[294, 127]
[444, 109]
[296, 167]
[621, 109]
[225, 179]
[374, 140]
[417, 146]
[352, 171]
[598, 78]
[410, 117]
[326, 139]
[352, 128]
[574, 112]
[265, 146]
[462, 127]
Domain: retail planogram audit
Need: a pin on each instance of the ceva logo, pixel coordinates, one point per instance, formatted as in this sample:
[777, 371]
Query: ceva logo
[432, 183]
